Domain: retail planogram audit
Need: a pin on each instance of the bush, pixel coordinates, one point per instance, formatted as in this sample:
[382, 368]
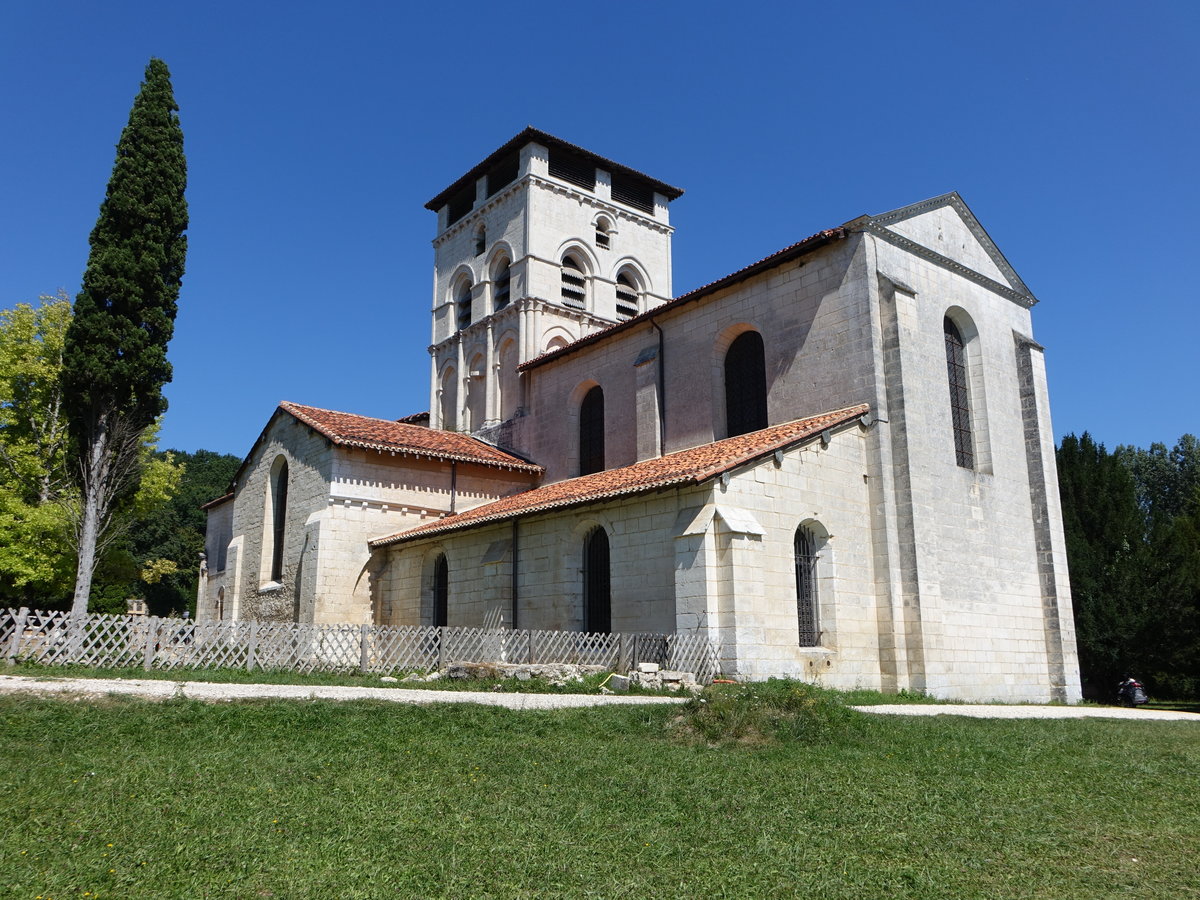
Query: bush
[766, 712]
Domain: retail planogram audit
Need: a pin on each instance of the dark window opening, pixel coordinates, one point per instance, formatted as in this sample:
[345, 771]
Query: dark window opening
[502, 286]
[573, 168]
[279, 520]
[960, 405]
[591, 432]
[573, 283]
[597, 594]
[632, 191]
[503, 173]
[441, 592]
[745, 385]
[460, 204]
[480, 240]
[463, 304]
[806, 587]
[602, 240]
[627, 297]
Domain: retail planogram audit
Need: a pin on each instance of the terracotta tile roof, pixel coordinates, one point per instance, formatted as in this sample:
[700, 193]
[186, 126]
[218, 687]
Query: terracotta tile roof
[683, 467]
[349, 430]
[421, 418]
[800, 248]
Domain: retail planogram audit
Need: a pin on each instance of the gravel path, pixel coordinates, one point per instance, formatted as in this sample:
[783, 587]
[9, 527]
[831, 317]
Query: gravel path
[154, 689]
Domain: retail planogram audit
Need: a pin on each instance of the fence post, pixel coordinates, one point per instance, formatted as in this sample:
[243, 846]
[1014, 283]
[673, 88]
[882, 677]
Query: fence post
[253, 646]
[622, 654]
[148, 650]
[14, 646]
[364, 654]
[441, 659]
[529, 636]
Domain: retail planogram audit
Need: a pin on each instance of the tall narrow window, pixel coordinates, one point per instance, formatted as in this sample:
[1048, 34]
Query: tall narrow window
[597, 597]
[603, 234]
[480, 239]
[806, 587]
[279, 489]
[462, 302]
[573, 283]
[501, 285]
[960, 404]
[627, 296]
[745, 385]
[591, 432]
[441, 592]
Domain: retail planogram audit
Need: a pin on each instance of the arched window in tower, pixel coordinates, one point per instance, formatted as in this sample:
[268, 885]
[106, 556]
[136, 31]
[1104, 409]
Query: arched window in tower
[591, 432]
[806, 587]
[597, 594]
[960, 394]
[448, 396]
[627, 295]
[440, 612]
[277, 507]
[462, 302]
[480, 239]
[574, 284]
[604, 231]
[501, 284]
[745, 385]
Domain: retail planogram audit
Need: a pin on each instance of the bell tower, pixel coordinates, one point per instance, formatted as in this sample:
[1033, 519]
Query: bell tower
[539, 245]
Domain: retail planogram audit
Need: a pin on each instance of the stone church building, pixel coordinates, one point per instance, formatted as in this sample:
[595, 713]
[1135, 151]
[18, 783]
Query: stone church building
[837, 462]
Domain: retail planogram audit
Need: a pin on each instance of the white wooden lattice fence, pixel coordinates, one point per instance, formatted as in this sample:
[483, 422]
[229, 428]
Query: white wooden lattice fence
[53, 638]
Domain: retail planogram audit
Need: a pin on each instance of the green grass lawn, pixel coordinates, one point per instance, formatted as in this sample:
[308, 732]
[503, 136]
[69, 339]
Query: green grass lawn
[362, 800]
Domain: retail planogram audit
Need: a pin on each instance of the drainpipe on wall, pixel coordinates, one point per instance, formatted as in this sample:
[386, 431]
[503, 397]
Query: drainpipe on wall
[662, 391]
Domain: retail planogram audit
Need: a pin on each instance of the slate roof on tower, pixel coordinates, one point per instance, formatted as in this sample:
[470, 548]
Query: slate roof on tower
[692, 466]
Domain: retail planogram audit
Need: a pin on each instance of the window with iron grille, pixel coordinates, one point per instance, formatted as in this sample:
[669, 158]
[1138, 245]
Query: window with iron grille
[960, 404]
[502, 286]
[573, 284]
[463, 305]
[806, 587]
[627, 297]
[441, 592]
[591, 432]
[279, 491]
[745, 385]
[597, 594]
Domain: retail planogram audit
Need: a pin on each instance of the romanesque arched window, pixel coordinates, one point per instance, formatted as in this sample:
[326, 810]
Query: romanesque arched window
[745, 385]
[276, 530]
[591, 432]
[597, 596]
[480, 239]
[806, 587]
[574, 283]
[627, 295]
[441, 592]
[960, 394]
[501, 284]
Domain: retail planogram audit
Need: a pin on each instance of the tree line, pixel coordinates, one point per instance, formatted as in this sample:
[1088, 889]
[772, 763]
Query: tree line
[1132, 522]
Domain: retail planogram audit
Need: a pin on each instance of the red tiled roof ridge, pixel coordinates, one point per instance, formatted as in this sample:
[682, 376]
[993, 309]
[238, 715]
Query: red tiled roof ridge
[811, 242]
[694, 465]
[371, 433]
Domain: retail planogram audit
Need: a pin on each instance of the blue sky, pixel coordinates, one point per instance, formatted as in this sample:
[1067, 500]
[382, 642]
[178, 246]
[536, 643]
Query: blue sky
[315, 133]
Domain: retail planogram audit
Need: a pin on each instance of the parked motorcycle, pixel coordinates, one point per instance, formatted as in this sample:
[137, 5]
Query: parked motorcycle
[1131, 693]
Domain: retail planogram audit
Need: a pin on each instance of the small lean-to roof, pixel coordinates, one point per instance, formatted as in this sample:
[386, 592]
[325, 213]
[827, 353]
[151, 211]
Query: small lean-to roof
[800, 248]
[364, 432]
[692, 466]
[534, 135]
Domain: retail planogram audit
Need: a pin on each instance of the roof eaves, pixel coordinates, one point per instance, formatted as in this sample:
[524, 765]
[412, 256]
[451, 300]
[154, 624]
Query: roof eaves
[224, 498]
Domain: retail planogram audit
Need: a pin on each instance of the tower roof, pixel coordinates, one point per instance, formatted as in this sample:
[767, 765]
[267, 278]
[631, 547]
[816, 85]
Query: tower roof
[534, 135]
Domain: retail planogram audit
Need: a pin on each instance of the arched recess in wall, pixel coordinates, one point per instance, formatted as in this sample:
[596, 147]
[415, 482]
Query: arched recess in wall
[597, 582]
[221, 604]
[439, 592]
[501, 277]
[476, 392]
[591, 431]
[576, 269]
[462, 301]
[555, 338]
[739, 382]
[448, 399]
[508, 377]
[275, 521]
[966, 391]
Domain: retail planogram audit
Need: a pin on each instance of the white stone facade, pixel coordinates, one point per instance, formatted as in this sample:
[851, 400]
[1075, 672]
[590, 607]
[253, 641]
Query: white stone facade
[931, 573]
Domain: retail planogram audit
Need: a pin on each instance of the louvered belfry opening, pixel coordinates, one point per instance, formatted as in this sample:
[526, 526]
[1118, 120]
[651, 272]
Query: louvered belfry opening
[745, 385]
[503, 286]
[572, 167]
[591, 432]
[463, 305]
[597, 596]
[806, 587]
[574, 291]
[627, 297]
[960, 397]
[441, 592]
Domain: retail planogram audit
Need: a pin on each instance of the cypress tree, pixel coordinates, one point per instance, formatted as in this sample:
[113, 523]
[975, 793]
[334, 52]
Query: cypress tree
[116, 348]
